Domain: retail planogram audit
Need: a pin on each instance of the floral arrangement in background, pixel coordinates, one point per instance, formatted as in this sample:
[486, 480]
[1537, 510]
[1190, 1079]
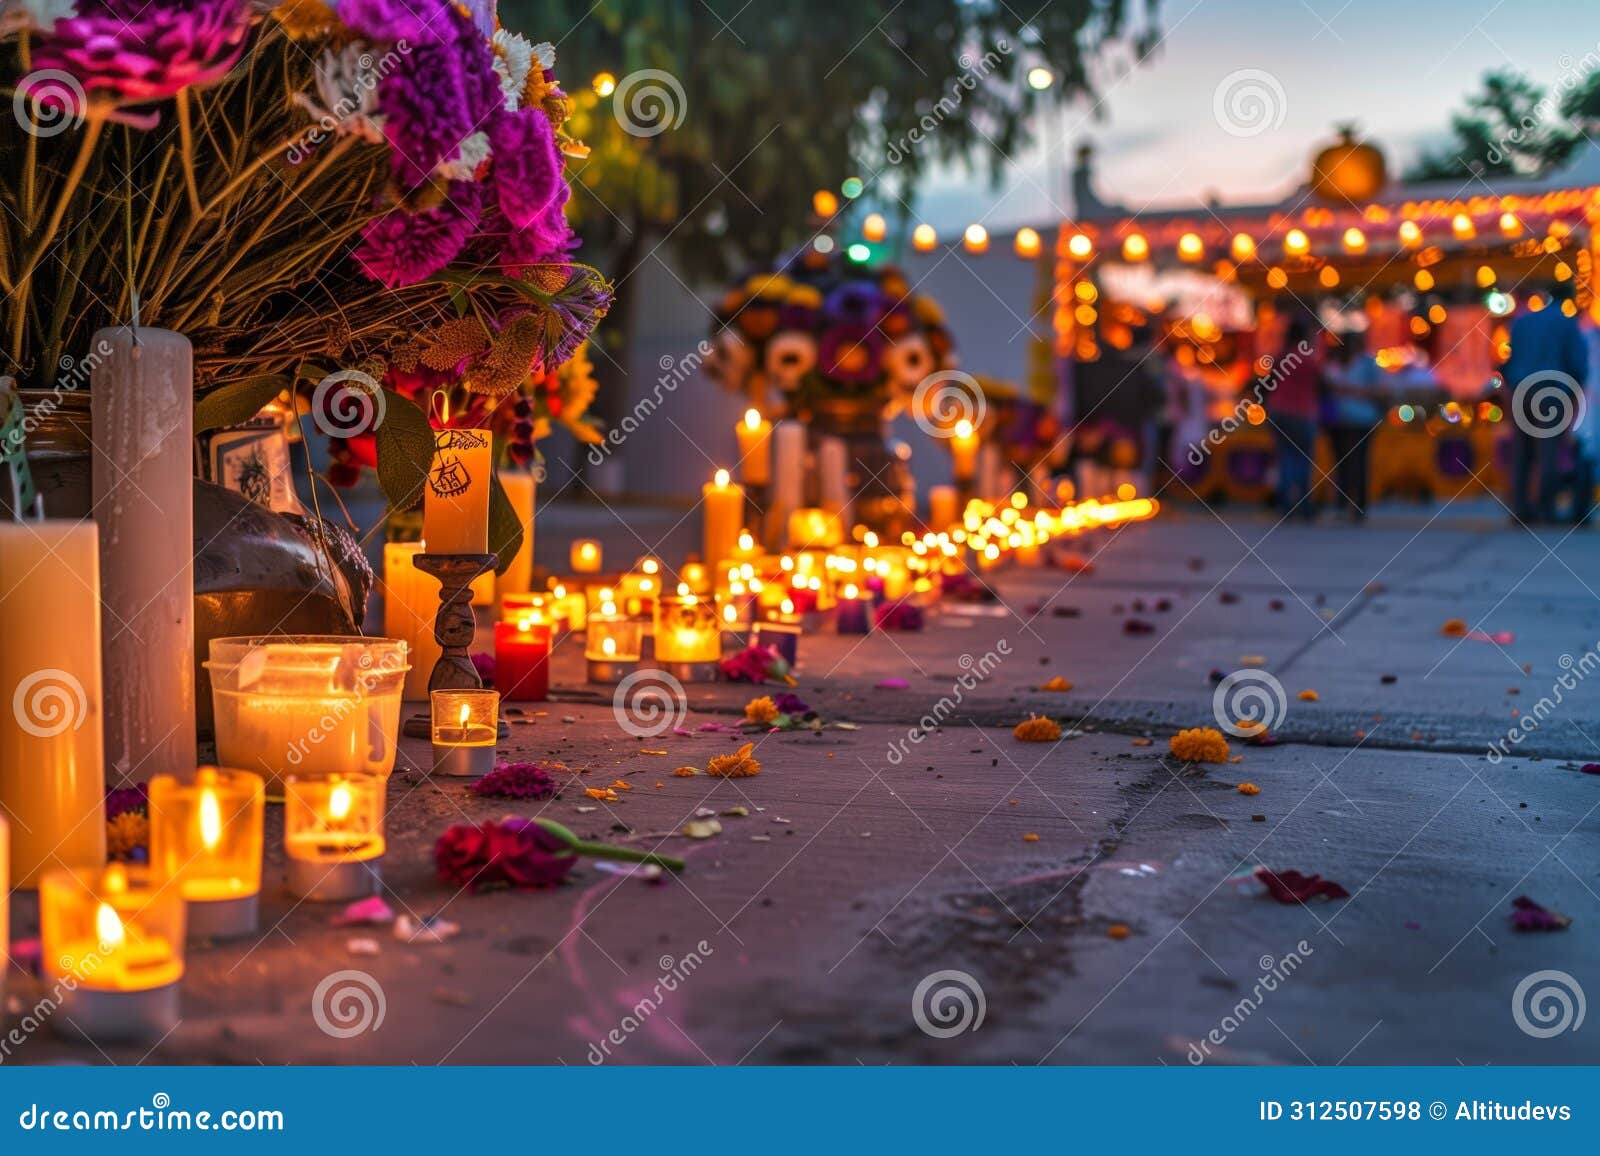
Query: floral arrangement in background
[368, 188]
[823, 328]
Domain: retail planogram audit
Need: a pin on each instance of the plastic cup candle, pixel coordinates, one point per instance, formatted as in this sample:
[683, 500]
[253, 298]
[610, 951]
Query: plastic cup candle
[455, 510]
[466, 727]
[522, 657]
[612, 647]
[964, 450]
[755, 448]
[206, 839]
[333, 835]
[313, 704]
[585, 556]
[111, 943]
[723, 515]
[688, 635]
[854, 613]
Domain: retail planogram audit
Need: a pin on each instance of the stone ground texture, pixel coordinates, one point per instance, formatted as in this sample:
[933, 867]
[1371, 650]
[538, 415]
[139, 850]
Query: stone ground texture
[1124, 933]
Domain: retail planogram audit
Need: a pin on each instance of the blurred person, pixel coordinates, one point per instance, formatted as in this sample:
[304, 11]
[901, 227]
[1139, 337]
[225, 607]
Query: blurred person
[1352, 407]
[1545, 345]
[1291, 407]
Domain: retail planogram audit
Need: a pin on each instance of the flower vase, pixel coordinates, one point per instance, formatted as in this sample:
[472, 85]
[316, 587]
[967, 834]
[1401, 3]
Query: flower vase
[142, 476]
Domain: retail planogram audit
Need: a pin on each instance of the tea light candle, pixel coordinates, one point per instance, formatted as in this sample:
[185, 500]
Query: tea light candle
[854, 613]
[585, 556]
[688, 636]
[613, 647]
[455, 509]
[723, 515]
[571, 605]
[111, 942]
[522, 657]
[639, 588]
[333, 835]
[466, 727]
[410, 602]
[964, 450]
[206, 837]
[52, 770]
[810, 527]
[755, 448]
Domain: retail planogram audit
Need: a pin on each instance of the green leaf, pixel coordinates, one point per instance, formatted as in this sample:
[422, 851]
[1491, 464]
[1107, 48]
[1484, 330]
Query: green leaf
[237, 402]
[405, 451]
[505, 526]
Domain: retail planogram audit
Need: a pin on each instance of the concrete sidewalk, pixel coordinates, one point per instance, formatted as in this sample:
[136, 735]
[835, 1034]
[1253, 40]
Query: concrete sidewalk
[875, 863]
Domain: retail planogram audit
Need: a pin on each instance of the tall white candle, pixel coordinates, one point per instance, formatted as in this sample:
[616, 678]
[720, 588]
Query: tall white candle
[521, 487]
[142, 399]
[833, 466]
[788, 479]
[52, 773]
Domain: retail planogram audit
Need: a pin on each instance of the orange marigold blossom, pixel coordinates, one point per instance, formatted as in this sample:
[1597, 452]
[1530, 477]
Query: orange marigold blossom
[1249, 789]
[1200, 745]
[760, 710]
[739, 765]
[1038, 730]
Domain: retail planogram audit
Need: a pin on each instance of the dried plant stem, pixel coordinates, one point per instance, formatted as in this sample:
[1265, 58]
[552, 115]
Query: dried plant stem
[80, 163]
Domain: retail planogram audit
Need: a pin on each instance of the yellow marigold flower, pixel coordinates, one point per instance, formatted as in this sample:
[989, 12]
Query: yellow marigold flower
[769, 286]
[927, 311]
[305, 19]
[739, 765]
[760, 710]
[1200, 745]
[1309, 696]
[1249, 789]
[127, 833]
[1038, 730]
[805, 297]
[604, 794]
[1057, 683]
[1119, 931]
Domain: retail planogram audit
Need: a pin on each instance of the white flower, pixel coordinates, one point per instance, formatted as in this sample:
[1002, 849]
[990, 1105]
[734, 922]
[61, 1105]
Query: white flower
[544, 55]
[16, 15]
[513, 59]
[474, 151]
[347, 84]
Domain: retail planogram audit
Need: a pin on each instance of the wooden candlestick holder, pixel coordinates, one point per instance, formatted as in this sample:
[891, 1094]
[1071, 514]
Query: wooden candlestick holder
[454, 623]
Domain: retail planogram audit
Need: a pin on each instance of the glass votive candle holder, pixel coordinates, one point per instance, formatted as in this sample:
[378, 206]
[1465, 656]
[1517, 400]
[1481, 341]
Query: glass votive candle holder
[854, 613]
[784, 637]
[333, 835]
[613, 647]
[696, 576]
[111, 943]
[585, 556]
[688, 637]
[637, 593]
[206, 841]
[522, 657]
[572, 607]
[466, 727]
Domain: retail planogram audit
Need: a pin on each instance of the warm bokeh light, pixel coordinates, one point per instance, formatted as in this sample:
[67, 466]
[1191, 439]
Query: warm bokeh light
[1190, 247]
[604, 83]
[976, 238]
[1027, 242]
[1135, 247]
[924, 238]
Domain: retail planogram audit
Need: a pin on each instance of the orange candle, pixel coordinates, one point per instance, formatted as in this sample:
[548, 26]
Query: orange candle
[723, 518]
[755, 448]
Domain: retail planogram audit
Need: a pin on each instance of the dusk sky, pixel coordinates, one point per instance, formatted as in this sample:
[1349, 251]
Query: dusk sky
[1397, 69]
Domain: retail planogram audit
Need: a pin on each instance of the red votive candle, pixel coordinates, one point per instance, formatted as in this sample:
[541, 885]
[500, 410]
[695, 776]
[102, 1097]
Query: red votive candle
[522, 660]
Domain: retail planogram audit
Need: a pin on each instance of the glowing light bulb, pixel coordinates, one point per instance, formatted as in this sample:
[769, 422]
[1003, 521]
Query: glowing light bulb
[1243, 246]
[1190, 247]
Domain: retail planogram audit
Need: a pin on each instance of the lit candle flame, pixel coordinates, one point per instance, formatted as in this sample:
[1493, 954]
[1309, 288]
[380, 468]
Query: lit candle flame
[722, 475]
[108, 926]
[850, 590]
[963, 428]
[210, 819]
[752, 419]
[339, 802]
[730, 612]
[525, 623]
[608, 647]
[787, 606]
[466, 713]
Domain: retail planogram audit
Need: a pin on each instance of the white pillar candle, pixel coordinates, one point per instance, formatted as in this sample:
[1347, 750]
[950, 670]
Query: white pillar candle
[833, 466]
[410, 602]
[52, 774]
[142, 398]
[723, 513]
[521, 487]
[455, 502]
[788, 473]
